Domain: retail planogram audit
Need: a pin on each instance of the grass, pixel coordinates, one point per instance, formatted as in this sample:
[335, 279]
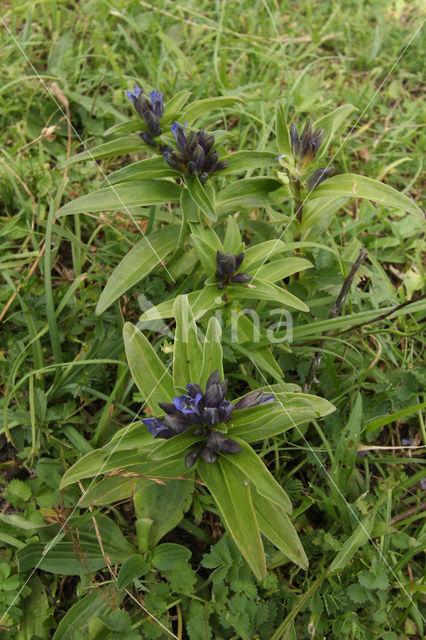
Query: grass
[65, 380]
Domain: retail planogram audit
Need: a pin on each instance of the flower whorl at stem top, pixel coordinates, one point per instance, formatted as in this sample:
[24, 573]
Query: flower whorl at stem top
[304, 149]
[150, 111]
[195, 156]
[227, 265]
[204, 412]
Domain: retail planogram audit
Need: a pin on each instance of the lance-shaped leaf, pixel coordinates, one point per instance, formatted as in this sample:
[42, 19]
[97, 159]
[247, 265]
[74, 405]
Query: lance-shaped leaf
[197, 109]
[231, 491]
[330, 123]
[151, 377]
[359, 538]
[245, 160]
[290, 410]
[78, 617]
[109, 149]
[147, 169]
[207, 244]
[188, 353]
[212, 352]
[200, 197]
[137, 264]
[200, 302]
[282, 131]
[261, 290]
[261, 480]
[352, 185]
[255, 256]
[232, 242]
[124, 196]
[277, 526]
[279, 269]
[250, 192]
[174, 447]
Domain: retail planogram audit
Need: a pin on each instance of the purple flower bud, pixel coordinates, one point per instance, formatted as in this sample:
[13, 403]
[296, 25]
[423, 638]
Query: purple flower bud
[225, 411]
[215, 440]
[208, 455]
[211, 416]
[230, 446]
[319, 176]
[157, 103]
[254, 399]
[178, 132]
[240, 278]
[191, 458]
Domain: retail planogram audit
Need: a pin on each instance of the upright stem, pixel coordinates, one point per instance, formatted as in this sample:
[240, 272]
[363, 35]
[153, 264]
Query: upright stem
[335, 311]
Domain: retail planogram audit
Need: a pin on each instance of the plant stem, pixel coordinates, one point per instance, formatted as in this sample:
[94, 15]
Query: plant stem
[335, 311]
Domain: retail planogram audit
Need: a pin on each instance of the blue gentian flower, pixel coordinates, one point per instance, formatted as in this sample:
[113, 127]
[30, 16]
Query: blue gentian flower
[195, 153]
[204, 412]
[227, 265]
[150, 111]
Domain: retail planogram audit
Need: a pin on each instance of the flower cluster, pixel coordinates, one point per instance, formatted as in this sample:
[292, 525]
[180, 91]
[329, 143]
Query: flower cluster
[149, 110]
[305, 148]
[227, 265]
[196, 155]
[203, 412]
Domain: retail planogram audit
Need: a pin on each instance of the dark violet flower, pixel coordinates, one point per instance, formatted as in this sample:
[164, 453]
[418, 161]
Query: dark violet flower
[319, 176]
[195, 154]
[203, 411]
[227, 265]
[149, 110]
[305, 148]
[254, 399]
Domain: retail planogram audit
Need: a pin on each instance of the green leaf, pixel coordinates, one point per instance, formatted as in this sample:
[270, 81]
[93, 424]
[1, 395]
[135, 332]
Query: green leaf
[200, 197]
[265, 421]
[147, 169]
[169, 554]
[256, 255]
[78, 617]
[124, 196]
[261, 480]
[241, 194]
[232, 242]
[133, 567]
[279, 269]
[260, 290]
[212, 352]
[151, 377]
[231, 491]
[62, 558]
[164, 504]
[109, 149]
[277, 526]
[137, 264]
[175, 446]
[283, 133]
[200, 302]
[176, 103]
[377, 423]
[188, 353]
[245, 160]
[197, 109]
[330, 123]
[207, 244]
[352, 185]
[359, 538]
[347, 447]
[35, 608]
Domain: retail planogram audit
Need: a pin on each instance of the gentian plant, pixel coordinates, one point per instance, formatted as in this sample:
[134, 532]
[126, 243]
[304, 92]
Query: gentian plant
[201, 430]
[196, 436]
